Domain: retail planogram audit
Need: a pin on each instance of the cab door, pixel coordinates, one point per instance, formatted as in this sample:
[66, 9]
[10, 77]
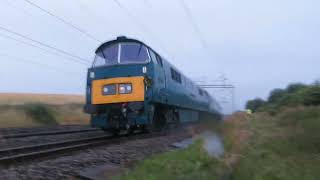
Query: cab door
[159, 85]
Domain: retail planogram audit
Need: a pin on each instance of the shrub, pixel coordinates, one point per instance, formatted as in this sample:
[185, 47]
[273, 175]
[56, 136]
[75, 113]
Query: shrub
[255, 104]
[275, 95]
[310, 96]
[294, 95]
[40, 113]
[294, 87]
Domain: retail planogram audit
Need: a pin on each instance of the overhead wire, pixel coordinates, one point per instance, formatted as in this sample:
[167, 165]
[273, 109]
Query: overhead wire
[12, 5]
[43, 44]
[63, 20]
[9, 3]
[36, 63]
[193, 23]
[141, 25]
[44, 50]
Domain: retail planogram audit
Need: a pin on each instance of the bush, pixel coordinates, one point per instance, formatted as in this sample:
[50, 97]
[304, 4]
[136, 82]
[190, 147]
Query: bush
[294, 87]
[310, 96]
[305, 123]
[255, 104]
[294, 95]
[40, 113]
[275, 95]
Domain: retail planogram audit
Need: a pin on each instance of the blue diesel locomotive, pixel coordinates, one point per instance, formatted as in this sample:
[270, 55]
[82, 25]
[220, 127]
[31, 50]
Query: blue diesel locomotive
[130, 86]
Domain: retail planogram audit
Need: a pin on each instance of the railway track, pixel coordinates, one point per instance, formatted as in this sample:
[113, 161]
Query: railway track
[21, 135]
[12, 155]
[24, 153]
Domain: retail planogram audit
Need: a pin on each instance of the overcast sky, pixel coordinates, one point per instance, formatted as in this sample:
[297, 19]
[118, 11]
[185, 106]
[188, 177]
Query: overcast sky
[256, 45]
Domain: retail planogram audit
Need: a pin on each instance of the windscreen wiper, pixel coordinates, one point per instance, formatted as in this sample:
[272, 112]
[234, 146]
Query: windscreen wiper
[139, 50]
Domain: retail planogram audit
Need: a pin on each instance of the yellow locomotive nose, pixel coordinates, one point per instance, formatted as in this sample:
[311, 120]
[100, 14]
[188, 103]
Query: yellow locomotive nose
[118, 90]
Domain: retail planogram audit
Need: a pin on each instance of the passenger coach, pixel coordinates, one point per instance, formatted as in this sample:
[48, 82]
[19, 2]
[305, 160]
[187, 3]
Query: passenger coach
[130, 86]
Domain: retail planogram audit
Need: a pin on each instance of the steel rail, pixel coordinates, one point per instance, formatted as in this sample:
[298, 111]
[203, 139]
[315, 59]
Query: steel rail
[11, 155]
[12, 136]
[24, 153]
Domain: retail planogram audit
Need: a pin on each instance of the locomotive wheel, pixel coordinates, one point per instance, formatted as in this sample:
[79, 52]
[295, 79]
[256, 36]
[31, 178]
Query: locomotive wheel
[115, 131]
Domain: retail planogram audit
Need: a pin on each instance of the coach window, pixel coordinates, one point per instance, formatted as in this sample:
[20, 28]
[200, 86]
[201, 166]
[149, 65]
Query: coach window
[133, 53]
[176, 76]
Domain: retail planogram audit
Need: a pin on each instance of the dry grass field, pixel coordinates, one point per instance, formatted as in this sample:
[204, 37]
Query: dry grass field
[29, 110]
[53, 99]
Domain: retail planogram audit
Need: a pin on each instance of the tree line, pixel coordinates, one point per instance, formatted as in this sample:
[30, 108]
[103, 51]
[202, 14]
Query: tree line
[295, 94]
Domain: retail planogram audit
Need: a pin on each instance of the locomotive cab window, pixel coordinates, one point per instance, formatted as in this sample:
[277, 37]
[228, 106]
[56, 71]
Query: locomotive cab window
[108, 56]
[133, 53]
[122, 53]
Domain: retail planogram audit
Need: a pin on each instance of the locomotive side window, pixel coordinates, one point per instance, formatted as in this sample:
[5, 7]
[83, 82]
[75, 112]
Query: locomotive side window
[133, 53]
[206, 93]
[200, 92]
[175, 75]
[159, 60]
[153, 56]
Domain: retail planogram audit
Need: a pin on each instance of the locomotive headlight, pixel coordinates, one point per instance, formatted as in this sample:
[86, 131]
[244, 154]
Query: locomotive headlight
[109, 89]
[92, 75]
[125, 88]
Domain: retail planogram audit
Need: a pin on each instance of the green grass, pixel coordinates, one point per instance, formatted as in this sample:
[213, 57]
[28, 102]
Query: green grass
[40, 113]
[284, 147]
[191, 163]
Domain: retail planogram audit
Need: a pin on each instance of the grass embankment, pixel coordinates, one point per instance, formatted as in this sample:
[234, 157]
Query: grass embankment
[286, 146]
[191, 163]
[259, 147]
[29, 110]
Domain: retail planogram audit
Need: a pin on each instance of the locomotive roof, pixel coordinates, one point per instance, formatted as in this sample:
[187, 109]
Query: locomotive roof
[118, 40]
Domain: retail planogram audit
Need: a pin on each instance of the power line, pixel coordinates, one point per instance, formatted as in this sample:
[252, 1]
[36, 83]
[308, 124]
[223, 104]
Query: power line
[63, 20]
[45, 50]
[35, 63]
[224, 86]
[43, 44]
[146, 2]
[9, 3]
[139, 23]
[194, 24]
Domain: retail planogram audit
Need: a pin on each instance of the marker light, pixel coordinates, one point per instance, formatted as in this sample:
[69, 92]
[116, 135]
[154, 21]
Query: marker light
[125, 88]
[109, 89]
[92, 75]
